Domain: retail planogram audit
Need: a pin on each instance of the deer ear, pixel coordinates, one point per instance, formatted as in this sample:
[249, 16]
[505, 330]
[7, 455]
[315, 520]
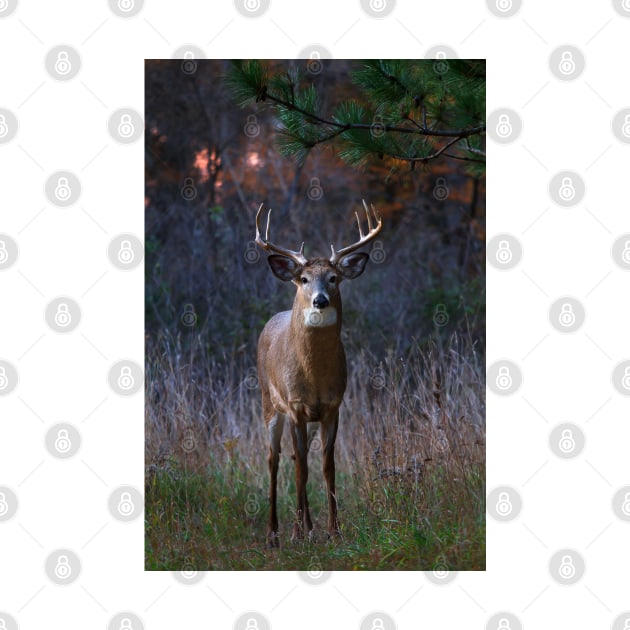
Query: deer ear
[352, 265]
[283, 267]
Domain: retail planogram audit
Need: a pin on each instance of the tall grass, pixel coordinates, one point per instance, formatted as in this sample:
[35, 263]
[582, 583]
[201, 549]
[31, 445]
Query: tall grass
[410, 458]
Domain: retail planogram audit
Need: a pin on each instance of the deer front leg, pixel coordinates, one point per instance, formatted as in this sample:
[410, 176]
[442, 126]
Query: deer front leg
[274, 427]
[303, 524]
[328, 435]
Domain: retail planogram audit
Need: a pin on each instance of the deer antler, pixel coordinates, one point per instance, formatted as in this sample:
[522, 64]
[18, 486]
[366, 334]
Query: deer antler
[298, 257]
[363, 238]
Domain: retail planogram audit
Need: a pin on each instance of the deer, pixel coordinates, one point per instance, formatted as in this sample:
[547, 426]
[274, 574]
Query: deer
[301, 365]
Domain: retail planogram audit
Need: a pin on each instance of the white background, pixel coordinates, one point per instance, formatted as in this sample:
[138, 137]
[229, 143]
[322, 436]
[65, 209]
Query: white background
[567, 125]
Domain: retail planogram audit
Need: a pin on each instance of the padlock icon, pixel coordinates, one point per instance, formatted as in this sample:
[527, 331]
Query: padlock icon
[4, 128]
[625, 380]
[125, 253]
[625, 254]
[504, 5]
[440, 317]
[126, 5]
[440, 569]
[504, 624]
[625, 128]
[315, 191]
[440, 65]
[314, 63]
[252, 5]
[4, 254]
[504, 379]
[626, 623]
[125, 624]
[504, 505]
[125, 379]
[377, 624]
[189, 191]
[189, 317]
[567, 568]
[440, 191]
[62, 442]
[63, 190]
[567, 441]
[567, 316]
[504, 253]
[4, 381]
[125, 505]
[378, 253]
[567, 189]
[378, 5]
[3, 625]
[62, 316]
[252, 624]
[625, 506]
[625, 5]
[62, 64]
[189, 65]
[504, 126]
[567, 64]
[126, 128]
[251, 128]
[4, 506]
[63, 570]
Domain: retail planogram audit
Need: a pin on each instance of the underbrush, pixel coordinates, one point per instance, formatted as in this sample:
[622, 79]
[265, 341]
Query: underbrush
[410, 458]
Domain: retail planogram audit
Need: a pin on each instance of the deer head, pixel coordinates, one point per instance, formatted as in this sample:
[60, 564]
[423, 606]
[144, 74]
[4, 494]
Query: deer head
[317, 280]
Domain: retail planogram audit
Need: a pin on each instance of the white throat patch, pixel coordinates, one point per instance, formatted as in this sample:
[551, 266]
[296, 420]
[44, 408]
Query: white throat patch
[316, 318]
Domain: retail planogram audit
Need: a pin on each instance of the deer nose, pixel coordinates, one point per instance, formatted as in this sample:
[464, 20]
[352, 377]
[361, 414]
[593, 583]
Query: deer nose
[320, 301]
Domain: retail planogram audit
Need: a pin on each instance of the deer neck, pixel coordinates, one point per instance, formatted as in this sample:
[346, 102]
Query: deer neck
[318, 332]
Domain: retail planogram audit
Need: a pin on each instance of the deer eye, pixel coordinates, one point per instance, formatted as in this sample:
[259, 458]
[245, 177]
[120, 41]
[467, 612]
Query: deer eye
[332, 279]
[304, 280]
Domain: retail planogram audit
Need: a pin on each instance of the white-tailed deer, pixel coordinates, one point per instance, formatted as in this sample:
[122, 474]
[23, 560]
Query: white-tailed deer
[302, 364]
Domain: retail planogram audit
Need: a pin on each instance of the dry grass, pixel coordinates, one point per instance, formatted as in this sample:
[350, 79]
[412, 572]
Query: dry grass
[410, 463]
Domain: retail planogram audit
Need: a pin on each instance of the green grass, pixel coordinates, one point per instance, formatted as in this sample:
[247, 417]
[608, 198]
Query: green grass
[217, 521]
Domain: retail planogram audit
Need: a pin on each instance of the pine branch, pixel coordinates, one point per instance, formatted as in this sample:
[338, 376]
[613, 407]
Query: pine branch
[410, 106]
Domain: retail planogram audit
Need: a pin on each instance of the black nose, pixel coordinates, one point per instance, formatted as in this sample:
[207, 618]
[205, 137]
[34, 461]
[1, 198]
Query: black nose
[320, 301]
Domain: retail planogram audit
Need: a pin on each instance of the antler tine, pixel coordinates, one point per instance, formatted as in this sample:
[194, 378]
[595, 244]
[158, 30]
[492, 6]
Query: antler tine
[373, 231]
[268, 222]
[269, 247]
[367, 214]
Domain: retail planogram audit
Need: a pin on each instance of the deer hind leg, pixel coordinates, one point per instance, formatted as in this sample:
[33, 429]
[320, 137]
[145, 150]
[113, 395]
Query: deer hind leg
[274, 428]
[303, 524]
[328, 435]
